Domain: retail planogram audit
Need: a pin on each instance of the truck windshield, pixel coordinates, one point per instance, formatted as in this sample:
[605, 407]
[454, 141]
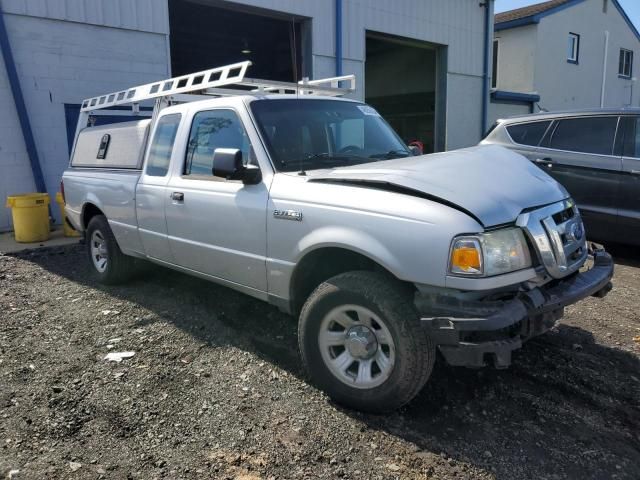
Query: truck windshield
[307, 134]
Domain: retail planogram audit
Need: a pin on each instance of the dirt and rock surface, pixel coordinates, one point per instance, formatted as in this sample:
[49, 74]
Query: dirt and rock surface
[215, 389]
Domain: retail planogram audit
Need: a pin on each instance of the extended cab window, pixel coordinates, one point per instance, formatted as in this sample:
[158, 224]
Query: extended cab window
[162, 145]
[587, 134]
[528, 133]
[210, 130]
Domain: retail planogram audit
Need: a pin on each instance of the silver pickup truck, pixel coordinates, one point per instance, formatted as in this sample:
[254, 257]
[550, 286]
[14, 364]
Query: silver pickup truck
[312, 203]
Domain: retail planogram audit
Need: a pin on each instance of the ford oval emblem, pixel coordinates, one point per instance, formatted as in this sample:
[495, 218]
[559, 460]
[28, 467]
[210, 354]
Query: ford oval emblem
[576, 231]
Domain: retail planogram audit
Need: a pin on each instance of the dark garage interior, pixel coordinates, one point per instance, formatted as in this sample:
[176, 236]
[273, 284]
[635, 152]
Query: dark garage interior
[205, 35]
[400, 82]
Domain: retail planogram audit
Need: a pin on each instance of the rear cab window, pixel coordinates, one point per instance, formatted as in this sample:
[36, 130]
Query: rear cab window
[528, 133]
[162, 145]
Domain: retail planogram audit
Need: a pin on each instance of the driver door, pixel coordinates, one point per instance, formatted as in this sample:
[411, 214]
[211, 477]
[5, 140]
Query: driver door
[215, 226]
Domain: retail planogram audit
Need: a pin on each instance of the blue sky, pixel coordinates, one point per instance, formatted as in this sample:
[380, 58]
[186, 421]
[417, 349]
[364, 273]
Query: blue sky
[632, 7]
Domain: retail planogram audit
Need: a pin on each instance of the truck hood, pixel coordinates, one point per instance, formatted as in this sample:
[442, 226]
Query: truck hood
[490, 183]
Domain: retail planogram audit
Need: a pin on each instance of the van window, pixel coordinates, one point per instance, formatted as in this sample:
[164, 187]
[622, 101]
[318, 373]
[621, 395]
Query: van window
[528, 133]
[586, 134]
[210, 130]
[162, 145]
[632, 138]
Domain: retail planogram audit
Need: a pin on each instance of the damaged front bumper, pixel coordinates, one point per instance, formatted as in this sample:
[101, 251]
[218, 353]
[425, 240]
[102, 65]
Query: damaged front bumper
[477, 333]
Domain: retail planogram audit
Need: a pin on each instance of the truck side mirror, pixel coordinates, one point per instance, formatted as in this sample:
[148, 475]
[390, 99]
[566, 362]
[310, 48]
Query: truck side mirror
[227, 163]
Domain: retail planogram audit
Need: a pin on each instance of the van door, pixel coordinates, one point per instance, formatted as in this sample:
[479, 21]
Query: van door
[629, 204]
[217, 226]
[579, 153]
[151, 191]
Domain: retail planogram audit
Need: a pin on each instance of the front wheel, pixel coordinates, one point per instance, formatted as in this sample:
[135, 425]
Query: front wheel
[109, 264]
[362, 343]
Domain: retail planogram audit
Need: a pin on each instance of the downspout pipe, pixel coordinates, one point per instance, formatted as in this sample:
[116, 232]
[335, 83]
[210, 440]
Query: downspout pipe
[18, 99]
[485, 77]
[604, 68]
[338, 38]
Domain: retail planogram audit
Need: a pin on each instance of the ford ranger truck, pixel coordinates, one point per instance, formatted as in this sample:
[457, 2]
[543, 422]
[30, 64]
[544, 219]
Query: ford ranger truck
[298, 196]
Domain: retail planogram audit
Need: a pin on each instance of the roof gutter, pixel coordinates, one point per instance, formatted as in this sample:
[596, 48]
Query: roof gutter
[18, 99]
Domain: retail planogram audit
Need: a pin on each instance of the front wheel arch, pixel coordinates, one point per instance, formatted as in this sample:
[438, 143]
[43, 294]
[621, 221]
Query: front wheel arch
[322, 263]
[415, 352]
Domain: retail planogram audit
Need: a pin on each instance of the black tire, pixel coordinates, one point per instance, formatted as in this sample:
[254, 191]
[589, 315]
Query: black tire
[119, 267]
[414, 351]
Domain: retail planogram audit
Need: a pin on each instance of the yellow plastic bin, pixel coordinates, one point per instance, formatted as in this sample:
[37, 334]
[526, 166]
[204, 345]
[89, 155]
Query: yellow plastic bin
[30, 213]
[68, 231]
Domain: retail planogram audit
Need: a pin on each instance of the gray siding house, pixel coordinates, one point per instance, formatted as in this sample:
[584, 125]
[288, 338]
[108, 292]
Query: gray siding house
[424, 64]
[564, 54]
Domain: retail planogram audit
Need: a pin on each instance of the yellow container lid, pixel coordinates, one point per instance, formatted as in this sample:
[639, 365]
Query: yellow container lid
[28, 200]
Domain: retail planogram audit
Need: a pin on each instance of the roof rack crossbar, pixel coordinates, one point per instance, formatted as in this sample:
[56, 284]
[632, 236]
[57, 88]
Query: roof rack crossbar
[209, 82]
[214, 77]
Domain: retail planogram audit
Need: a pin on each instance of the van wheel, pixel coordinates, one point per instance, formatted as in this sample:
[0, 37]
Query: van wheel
[109, 265]
[361, 341]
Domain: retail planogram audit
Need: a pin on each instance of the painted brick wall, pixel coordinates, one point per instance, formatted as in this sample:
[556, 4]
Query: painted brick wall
[62, 62]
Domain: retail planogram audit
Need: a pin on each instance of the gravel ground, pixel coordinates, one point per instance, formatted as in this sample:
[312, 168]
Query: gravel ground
[216, 390]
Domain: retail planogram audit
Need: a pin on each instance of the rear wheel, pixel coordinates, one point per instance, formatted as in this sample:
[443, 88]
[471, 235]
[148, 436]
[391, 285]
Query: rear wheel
[362, 343]
[109, 264]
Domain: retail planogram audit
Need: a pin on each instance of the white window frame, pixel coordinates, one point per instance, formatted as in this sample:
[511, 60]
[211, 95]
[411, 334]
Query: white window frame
[574, 55]
[625, 51]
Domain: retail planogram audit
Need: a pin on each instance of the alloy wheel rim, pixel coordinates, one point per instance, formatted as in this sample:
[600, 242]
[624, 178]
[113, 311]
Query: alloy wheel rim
[357, 346]
[99, 253]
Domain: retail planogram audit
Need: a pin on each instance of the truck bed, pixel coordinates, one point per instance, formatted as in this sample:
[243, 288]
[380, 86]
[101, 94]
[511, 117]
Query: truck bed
[113, 192]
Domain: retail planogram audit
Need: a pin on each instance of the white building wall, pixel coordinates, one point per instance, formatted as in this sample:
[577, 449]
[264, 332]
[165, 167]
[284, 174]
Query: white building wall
[517, 58]
[560, 84]
[143, 15]
[500, 110]
[62, 62]
[564, 85]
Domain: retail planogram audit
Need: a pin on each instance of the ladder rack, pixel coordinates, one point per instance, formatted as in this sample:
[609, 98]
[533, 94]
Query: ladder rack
[208, 82]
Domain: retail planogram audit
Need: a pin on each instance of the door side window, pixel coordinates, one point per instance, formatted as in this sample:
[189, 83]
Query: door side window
[528, 133]
[162, 145]
[632, 137]
[210, 130]
[587, 135]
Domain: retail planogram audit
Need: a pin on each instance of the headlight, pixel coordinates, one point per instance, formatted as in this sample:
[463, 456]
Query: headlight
[488, 254]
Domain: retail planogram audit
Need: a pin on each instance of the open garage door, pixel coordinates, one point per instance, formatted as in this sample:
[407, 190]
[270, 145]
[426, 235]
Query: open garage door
[207, 33]
[401, 82]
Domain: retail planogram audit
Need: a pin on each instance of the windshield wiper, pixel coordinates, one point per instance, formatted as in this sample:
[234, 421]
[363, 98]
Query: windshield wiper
[391, 154]
[325, 159]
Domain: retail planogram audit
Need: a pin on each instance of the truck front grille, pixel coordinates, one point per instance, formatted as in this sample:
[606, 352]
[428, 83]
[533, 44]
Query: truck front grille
[557, 234]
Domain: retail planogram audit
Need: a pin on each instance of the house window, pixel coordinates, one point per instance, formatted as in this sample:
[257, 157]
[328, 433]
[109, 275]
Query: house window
[625, 65]
[494, 73]
[574, 48]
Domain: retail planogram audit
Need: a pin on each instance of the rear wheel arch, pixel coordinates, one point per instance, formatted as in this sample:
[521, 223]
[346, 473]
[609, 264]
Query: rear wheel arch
[89, 210]
[110, 265]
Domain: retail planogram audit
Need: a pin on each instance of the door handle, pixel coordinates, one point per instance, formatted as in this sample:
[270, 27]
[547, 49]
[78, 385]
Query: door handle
[546, 161]
[177, 196]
